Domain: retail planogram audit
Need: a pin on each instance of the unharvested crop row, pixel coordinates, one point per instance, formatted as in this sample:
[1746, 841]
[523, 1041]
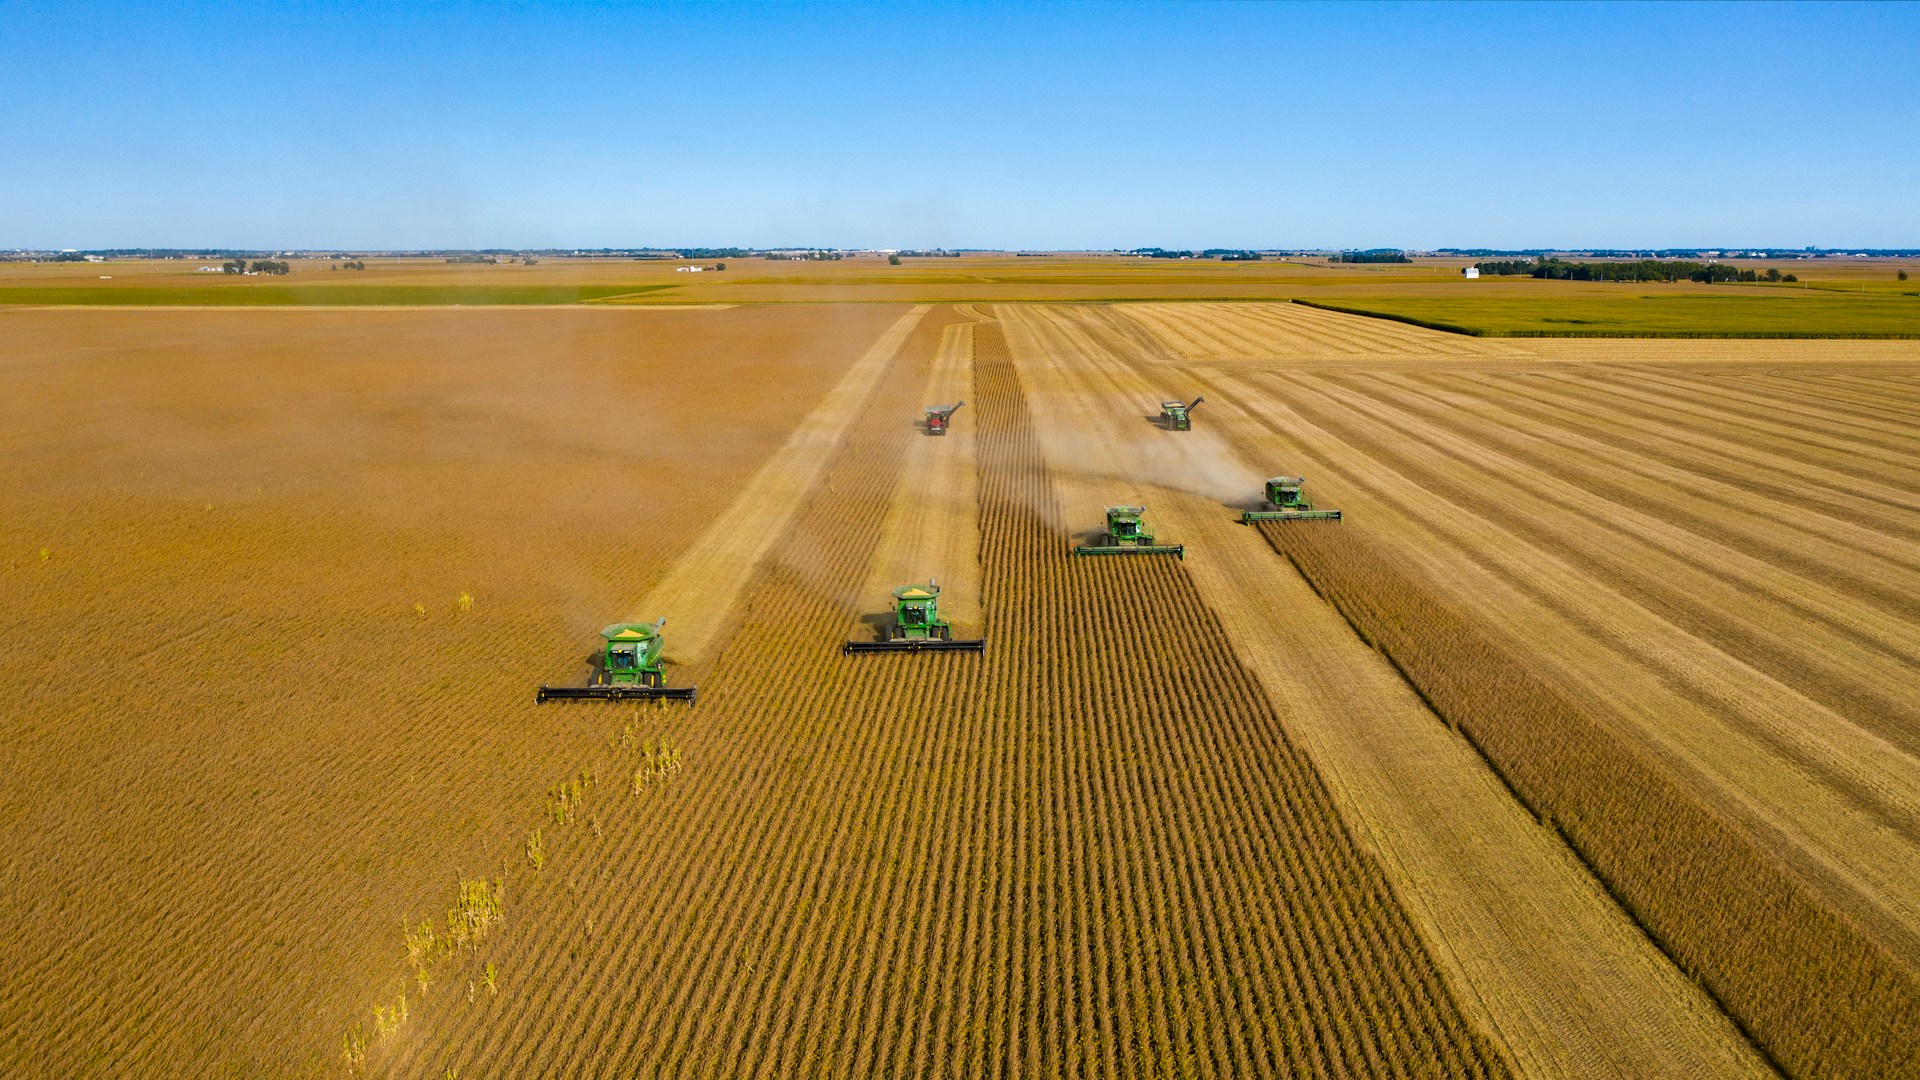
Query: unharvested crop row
[1812, 989]
[1091, 851]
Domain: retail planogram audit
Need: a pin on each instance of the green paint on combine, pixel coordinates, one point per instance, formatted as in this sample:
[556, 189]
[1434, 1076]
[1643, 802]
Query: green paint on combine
[1287, 502]
[630, 667]
[1127, 534]
[917, 626]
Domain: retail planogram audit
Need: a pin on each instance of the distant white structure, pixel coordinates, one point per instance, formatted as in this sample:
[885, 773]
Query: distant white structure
[1470, 273]
[689, 269]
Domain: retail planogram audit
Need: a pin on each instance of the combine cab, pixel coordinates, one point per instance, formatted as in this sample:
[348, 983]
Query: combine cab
[1286, 502]
[939, 415]
[1127, 534]
[917, 626]
[630, 668]
[1178, 415]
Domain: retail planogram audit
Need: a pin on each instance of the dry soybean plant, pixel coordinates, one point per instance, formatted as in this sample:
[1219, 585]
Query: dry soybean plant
[566, 799]
[656, 766]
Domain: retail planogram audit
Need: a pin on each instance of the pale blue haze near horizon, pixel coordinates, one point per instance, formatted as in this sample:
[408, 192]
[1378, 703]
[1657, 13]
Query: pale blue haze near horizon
[382, 126]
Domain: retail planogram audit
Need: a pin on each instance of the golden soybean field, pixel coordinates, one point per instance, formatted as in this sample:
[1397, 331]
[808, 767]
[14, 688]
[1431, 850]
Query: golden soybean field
[1583, 746]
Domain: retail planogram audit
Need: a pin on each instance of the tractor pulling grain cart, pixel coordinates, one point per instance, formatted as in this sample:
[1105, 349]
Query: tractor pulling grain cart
[1286, 502]
[939, 415]
[630, 669]
[917, 626]
[1127, 534]
[1178, 415]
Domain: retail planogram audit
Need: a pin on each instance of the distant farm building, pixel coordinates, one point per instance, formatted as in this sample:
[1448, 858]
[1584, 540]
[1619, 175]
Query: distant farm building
[1470, 272]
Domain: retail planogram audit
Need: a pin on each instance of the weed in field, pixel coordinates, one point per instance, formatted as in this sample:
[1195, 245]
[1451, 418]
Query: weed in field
[421, 942]
[387, 1020]
[656, 766]
[422, 980]
[466, 601]
[536, 855]
[490, 979]
[45, 554]
[420, 610]
[476, 913]
[353, 1047]
[564, 801]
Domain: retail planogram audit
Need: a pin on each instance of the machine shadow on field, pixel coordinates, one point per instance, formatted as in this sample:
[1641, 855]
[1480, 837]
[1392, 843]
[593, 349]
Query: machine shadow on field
[877, 623]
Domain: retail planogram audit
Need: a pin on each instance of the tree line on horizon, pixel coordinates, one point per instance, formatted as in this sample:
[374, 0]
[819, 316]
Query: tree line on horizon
[1637, 270]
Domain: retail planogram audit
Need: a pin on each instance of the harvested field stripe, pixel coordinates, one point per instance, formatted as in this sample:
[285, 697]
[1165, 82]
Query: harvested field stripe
[1747, 399]
[930, 530]
[1520, 470]
[698, 595]
[1862, 761]
[1762, 429]
[1891, 473]
[1849, 506]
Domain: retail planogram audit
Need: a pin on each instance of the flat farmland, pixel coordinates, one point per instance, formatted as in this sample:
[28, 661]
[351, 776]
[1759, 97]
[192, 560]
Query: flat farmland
[278, 586]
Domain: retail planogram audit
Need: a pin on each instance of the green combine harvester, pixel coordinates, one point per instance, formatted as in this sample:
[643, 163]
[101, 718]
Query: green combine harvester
[1286, 502]
[1177, 415]
[917, 626]
[630, 668]
[1127, 534]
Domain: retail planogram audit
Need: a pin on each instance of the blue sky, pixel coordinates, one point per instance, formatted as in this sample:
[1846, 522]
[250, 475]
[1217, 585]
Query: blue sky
[1030, 126]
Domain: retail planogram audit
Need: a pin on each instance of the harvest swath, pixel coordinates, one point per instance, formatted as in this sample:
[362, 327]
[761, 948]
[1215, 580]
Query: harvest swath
[1582, 746]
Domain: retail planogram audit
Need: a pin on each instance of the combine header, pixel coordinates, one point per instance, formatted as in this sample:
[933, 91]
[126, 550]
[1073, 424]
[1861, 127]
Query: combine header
[631, 668]
[1285, 502]
[938, 416]
[917, 626]
[1177, 415]
[1127, 534]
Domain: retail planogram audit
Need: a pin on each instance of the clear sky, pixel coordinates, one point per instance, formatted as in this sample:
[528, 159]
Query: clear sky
[1024, 126]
